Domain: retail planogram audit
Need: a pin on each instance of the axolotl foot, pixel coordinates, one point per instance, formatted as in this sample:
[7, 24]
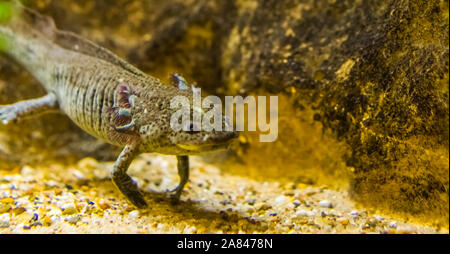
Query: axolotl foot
[8, 114]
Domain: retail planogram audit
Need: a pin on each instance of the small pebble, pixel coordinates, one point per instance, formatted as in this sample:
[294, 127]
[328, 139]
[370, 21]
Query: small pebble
[4, 207]
[73, 219]
[323, 213]
[343, 221]
[393, 224]
[18, 210]
[88, 163]
[103, 204]
[354, 213]
[226, 202]
[54, 218]
[262, 206]
[371, 222]
[405, 229]
[68, 209]
[78, 175]
[251, 201]
[290, 206]
[35, 217]
[26, 171]
[51, 183]
[133, 214]
[378, 218]
[190, 230]
[7, 200]
[325, 204]
[47, 221]
[296, 203]
[281, 199]
[304, 213]
[4, 220]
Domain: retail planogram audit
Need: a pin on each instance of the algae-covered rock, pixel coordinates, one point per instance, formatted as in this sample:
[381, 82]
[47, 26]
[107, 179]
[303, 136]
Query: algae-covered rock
[363, 85]
[375, 73]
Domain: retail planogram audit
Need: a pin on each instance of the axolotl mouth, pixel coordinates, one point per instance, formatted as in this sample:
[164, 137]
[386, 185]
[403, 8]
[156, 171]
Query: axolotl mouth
[223, 143]
[204, 147]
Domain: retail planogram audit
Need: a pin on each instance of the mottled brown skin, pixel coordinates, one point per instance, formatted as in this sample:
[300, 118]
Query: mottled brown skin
[104, 95]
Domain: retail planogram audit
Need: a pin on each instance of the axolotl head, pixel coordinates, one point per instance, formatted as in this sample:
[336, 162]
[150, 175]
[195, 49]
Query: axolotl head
[162, 117]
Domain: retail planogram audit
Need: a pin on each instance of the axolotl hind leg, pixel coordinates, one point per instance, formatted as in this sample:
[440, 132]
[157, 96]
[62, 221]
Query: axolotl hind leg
[183, 172]
[22, 109]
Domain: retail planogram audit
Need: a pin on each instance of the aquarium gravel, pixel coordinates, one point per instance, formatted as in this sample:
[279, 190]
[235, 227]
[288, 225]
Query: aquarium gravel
[80, 198]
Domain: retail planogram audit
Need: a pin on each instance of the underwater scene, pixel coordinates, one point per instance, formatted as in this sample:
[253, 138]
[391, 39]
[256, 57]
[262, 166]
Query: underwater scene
[224, 116]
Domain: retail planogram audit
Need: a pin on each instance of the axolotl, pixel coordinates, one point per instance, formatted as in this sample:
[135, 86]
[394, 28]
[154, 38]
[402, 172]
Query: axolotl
[104, 95]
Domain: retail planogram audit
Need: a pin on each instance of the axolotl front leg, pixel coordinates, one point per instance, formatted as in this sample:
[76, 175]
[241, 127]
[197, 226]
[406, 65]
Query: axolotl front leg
[123, 182]
[22, 109]
[129, 188]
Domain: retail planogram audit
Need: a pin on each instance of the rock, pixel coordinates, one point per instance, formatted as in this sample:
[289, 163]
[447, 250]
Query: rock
[325, 204]
[296, 203]
[4, 220]
[364, 57]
